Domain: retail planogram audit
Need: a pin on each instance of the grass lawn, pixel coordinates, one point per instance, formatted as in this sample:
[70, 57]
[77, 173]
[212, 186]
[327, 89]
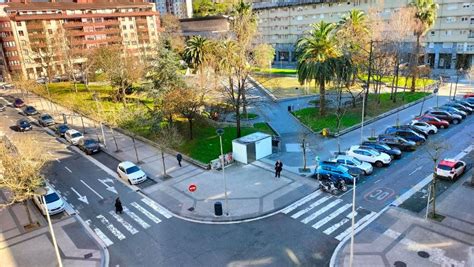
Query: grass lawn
[249, 116]
[205, 145]
[311, 118]
[283, 87]
[419, 84]
[276, 71]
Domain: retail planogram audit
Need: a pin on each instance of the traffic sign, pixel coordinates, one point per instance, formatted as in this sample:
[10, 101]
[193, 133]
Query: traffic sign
[192, 187]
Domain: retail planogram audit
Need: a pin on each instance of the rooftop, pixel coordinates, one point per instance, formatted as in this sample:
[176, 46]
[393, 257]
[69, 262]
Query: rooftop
[68, 5]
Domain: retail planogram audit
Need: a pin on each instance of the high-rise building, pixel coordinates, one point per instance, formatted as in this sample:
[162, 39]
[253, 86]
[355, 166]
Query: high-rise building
[180, 8]
[29, 29]
[449, 45]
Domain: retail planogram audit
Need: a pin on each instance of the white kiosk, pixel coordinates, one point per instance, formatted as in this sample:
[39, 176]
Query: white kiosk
[252, 147]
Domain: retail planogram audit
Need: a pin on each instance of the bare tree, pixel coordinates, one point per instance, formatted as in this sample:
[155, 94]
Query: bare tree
[304, 138]
[434, 151]
[21, 162]
[172, 35]
[263, 55]
[167, 137]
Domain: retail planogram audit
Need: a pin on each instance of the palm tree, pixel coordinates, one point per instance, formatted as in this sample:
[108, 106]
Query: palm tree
[425, 18]
[316, 53]
[196, 54]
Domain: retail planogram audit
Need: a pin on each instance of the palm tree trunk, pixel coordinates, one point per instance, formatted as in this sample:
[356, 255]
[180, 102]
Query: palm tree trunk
[322, 98]
[415, 63]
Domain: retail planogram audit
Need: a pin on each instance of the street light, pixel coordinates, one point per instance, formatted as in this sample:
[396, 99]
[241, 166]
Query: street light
[96, 99]
[220, 132]
[41, 191]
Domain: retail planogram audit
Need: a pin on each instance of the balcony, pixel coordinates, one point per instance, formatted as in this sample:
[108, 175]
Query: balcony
[84, 24]
[83, 33]
[141, 21]
[115, 39]
[34, 26]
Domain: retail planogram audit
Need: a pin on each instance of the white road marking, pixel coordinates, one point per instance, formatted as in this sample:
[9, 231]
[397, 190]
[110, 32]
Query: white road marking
[145, 212]
[321, 211]
[124, 223]
[92, 189]
[157, 208]
[357, 224]
[80, 197]
[331, 216]
[111, 227]
[313, 205]
[101, 235]
[301, 202]
[57, 160]
[135, 217]
[68, 169]
[415, 170]
[108, 187]
[334, 227]
[377, 181]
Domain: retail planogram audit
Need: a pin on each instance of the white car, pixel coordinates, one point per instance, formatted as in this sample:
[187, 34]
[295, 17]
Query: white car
[450, 168]
[73, 136]
[131, 172]
[424, 127]
[351, 162]
[379, 159]
[54, 203]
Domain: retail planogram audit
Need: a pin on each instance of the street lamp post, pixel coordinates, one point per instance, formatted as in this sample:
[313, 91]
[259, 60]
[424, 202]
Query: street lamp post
[96, 99]
[362, 120]
[42, 192]
[457, 80]
[220, 132]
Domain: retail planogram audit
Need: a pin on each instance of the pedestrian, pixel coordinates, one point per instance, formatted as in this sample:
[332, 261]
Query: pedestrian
[118, 206]
[278, 168]
[179, 157]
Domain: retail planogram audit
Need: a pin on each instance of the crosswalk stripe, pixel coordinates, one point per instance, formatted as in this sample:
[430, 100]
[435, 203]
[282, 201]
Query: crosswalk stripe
[145, 212]
[124, 223]
[135, 217]
[301, 202]
[357, 224]
[101, 235]
[331, 216]
[157, 208]
[111, 227]
[312, 206]
[336, 226]
[321, 211]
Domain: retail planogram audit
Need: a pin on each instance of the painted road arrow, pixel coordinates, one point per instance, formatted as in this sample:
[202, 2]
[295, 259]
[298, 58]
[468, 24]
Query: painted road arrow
[81, 198]
[108, 187]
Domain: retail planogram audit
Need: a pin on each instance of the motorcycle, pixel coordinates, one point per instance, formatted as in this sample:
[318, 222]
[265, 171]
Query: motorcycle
[332, 185]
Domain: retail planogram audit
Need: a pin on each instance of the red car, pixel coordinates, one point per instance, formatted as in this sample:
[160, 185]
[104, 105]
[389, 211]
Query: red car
[468, 95]
[18, 103]
[433, 121]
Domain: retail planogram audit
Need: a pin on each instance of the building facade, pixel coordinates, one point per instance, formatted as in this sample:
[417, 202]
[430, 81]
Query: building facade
[449, 44]
[29, 30]
[180, 8]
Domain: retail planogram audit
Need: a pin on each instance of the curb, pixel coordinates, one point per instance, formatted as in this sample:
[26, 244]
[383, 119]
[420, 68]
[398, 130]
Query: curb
[265, 90]
[105, 259]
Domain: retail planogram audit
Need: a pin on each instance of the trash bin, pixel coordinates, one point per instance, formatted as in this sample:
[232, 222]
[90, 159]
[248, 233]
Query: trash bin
[218, 209]
[325, 132]
[289, 108]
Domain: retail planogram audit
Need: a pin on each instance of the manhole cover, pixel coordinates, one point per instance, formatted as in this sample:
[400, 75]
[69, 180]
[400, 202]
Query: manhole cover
[191, 209]
[423, 254]
[88, 255]
[399, 264]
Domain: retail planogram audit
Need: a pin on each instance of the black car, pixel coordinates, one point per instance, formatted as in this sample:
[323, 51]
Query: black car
[395, 153]
[406, 134]
[45, 120]
[460, 106]
[396, 141]
[466, 103]
[2, 107]
[409, 127]
[444, 115]
[61, 129]
[89, 146]
[23, 125]
[30, 111]
[18, 103]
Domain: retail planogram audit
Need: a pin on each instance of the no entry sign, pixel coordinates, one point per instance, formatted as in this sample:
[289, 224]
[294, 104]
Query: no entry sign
[192, 187]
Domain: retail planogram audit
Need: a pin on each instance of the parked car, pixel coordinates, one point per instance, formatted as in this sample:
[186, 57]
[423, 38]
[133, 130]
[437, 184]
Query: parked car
[460, 106]
[424, 126]
[130, 172]
[407, 134]
[353, 163]
[61, 129]
[89, 145]
[469, 95]
[450, 168]
[23, 125]
[42, 80]
[398, 142]
[54, 203]
[464, 102]
[73, 136]
[30, 111]
[369, 155]
[45, 120]
[433, 121]
[18, 103]
[414, 129]
[444, 115]
[394, 152]
[469, 100]
[327, 168]
[453, 110]
[2, 107]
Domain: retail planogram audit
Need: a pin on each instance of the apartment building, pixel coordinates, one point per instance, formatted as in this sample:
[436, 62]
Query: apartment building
[449, 44]
[27, 31]
[180, 8]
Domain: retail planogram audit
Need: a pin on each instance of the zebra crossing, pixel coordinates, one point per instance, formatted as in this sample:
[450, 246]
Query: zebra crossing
[111, 227]
[328, 214]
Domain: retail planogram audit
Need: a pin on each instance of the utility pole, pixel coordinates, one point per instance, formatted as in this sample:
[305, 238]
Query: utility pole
[369, 73]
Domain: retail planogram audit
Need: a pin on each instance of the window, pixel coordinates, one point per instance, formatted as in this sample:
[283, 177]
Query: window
[131, 27]
[124, 27]
[432, 33]
[125, 35]
[466, 5]
[50, 31]
[18, 23]
[21, 33]
[450, 19]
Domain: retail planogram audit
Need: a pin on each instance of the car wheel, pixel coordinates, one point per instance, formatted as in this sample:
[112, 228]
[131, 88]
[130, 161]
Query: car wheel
[456, 121]
[365, 173]
[431, 132]
[455, 177]
[334, 192]
[379, 164]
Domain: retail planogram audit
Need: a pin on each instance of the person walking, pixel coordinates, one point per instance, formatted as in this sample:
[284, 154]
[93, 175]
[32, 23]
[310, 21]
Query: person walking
[118, 206]
[278, 168]
[179, 157]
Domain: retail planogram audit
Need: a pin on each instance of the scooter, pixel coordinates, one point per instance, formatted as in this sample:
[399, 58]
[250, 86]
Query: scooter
[331, 185]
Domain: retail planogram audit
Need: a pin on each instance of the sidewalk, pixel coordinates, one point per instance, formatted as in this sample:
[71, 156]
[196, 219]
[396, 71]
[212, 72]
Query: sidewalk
[401, 238]
[76, 246]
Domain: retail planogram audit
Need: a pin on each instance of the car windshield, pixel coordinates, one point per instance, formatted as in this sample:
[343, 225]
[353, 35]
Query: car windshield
[74, 135]
[63, 127]
[375, 152]
[356, 161]
[24, 123]
[385, 147]
[444, 167]
[46, 117]
[402, 140]
[51, 197]
[132, 169]
[90, 142]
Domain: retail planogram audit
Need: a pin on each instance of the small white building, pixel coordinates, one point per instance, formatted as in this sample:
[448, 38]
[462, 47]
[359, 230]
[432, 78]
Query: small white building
[252, 147]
